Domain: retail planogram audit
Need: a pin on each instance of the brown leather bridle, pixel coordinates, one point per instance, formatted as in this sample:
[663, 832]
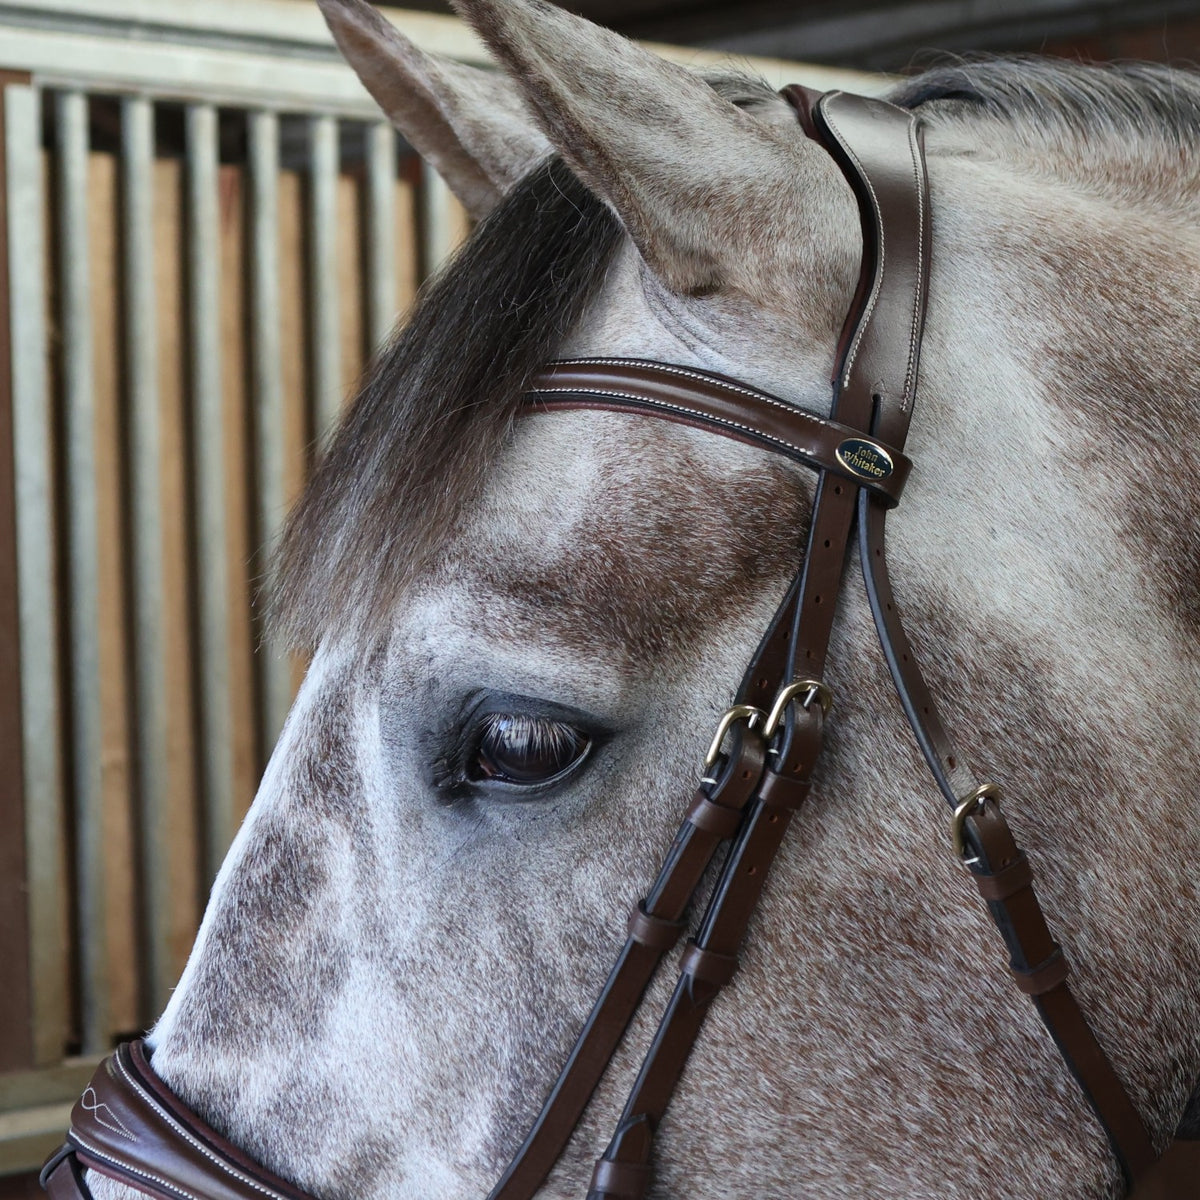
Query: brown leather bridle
[128, 1125]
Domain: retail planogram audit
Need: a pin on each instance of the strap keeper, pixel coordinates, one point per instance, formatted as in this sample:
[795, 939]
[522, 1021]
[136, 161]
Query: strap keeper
[707, 965]
[780, 791]
[712, 817]
[1012, 879]
[62, 1176]
[657, 933]
[1045, 976]
[628, 1181]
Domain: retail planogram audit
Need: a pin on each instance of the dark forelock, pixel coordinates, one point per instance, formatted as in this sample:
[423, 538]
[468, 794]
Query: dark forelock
[437, 406]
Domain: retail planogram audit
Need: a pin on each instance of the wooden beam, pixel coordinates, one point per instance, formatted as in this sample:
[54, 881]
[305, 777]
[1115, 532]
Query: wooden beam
[239, 53]
[29, 1135]
[886, 37]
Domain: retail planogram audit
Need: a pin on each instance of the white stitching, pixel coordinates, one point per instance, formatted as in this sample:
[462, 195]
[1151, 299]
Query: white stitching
[809, 458]
[183, 1133]
[94, 1109]
[116, 1162]
[692, 412]
[875, 212]
[728, 385]
[792, 410]
[910, 376]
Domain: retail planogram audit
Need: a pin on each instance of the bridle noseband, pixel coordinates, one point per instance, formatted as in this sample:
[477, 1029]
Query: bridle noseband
[758, 770]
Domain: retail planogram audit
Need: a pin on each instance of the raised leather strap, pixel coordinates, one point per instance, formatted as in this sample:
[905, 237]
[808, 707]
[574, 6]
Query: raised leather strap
[129, 1126]
[621, 1179]
[880, 149]
[662, 909]
[655, 932]
[707, 965]
[701, 399]
[62, 1176]
[716, 818]
[745, 870]
[1040, 970]
[1176, 1175]
[872, 338]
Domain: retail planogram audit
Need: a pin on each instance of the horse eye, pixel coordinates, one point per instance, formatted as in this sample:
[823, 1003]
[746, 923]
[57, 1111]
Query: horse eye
[526, 750]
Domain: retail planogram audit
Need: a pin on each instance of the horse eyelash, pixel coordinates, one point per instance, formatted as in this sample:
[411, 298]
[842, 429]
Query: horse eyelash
[528, 733]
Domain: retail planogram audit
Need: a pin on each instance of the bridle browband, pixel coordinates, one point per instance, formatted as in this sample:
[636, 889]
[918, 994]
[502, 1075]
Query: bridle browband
[757, 773]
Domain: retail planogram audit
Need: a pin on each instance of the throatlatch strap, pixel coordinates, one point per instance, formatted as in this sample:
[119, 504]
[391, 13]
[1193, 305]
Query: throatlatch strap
[1039, 966]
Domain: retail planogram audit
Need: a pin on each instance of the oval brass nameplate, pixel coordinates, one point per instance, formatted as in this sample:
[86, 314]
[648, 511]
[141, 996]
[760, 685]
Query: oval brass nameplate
[865, 459]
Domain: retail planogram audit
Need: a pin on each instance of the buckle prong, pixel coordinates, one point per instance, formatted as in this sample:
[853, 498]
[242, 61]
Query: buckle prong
[810, 689]
[966, 807]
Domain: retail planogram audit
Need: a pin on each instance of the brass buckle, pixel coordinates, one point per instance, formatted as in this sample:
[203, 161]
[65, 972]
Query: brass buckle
[739, 712]
[965, 807]
[810, 689]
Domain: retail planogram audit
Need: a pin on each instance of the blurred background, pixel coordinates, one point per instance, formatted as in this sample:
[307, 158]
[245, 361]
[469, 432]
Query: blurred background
[205, 231]
[874, 36]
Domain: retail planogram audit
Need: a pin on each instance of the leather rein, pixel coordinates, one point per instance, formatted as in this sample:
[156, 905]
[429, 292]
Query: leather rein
[129, 1126]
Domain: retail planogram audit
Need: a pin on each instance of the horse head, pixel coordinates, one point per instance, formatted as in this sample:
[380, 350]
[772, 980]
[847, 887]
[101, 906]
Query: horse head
[526, 627]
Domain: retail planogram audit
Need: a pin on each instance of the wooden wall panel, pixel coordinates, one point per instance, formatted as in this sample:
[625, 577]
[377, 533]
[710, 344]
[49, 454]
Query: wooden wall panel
[408, 243]
[299, 405]
[350, 280]
[240, 513]
[116, 768]
[147, 862]
[179, 805]
[293, 289]
[48, 832]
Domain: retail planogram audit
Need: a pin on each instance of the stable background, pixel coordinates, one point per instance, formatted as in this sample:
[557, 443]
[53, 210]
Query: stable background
[875, 36]
[205, 231]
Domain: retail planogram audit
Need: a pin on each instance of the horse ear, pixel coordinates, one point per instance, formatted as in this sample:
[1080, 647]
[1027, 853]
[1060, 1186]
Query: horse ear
[699, 183]
[472, 125]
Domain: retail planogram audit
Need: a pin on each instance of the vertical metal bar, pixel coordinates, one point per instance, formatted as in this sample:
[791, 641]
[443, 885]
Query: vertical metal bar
[267, 383]
[325, 331]
[381, 232]
[82, 560]
[16, 1012]
[208, 442]
[437, 227]
[41, 702]
[151, 702]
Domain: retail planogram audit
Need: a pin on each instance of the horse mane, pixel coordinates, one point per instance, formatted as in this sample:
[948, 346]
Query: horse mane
[1128, 127]
[1122, 100]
